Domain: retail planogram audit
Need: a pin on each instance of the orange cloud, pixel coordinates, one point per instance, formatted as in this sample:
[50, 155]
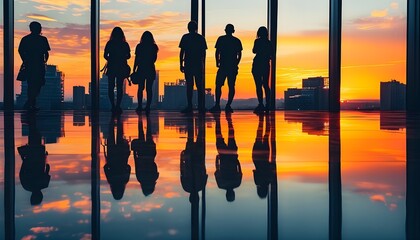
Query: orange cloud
[379, 13]
[41, 17]
[44, 229]
[378, 198]
[58, 206]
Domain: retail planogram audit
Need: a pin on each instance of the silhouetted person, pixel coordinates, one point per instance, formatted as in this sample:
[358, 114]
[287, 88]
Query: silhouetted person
[191, 59]
[261, 68]
[117, 51]
[263, 173]
[34, 172]
[193, 169]
[228, 168]
[33, 50]
[228, 56]
[144, 150]
[146, 55]
[117, 170]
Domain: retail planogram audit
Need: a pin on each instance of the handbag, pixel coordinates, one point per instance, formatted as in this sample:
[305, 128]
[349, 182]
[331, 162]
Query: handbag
[105, 69]
[22, 73]
[135, 77]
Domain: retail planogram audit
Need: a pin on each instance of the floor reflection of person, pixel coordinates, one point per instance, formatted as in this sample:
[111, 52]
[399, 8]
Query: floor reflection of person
[144, 150]
[228, 168]
[263, 173]
[34, 172]
[117, 170]
[193, 169]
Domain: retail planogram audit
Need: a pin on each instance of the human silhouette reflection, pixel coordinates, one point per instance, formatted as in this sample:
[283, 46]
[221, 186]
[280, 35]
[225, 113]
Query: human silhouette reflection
[334, 177]
[117, 170]
[34, 172]
[263, 173]
[193, 169]
[144, 151]
[412, 220]
[228, 168]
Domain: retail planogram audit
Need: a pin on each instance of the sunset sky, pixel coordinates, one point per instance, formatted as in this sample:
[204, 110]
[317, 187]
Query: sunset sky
[374, 35]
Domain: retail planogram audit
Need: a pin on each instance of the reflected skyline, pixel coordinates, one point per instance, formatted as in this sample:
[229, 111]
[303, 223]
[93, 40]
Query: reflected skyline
[287, 177]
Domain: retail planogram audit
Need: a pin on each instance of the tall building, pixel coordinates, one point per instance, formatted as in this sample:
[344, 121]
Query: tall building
[175, 96]
[312, 96]
[392, 95]
[79, 99]
[52, 93]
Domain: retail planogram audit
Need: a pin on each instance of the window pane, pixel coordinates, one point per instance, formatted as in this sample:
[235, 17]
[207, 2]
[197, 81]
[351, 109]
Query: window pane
[374, 46]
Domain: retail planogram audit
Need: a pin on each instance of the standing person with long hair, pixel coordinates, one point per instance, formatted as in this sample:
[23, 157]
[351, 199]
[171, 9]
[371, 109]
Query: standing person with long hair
[261, 68]
[117, 51]
[146, 55]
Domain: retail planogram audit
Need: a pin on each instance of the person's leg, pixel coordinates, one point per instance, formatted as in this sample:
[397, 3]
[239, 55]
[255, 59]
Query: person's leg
[149, 91]
[111, 86]
[140, 95]
[265, 77]
[258, 87]
[200, 90]
[220, 78]
[120, 82]
[190, 83]
[231, 83]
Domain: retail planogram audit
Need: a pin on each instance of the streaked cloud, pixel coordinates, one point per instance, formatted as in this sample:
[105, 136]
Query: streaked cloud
[370, 23]
[41, 17]
[394, 5]
[43, 229]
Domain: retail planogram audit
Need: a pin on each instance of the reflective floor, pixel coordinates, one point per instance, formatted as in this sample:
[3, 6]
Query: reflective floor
[288, 175]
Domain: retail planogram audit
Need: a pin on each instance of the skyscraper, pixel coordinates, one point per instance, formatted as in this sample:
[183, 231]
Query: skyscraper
[79, 99]
[175, 97]
[392, 95]
[312, 96]
[52, 93]
[104, 104]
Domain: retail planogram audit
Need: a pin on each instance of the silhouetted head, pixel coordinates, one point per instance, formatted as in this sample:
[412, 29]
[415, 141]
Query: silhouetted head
[117, 34]
[147, 38]
[36, 198]
[117, 190]
[148, 188]
[229, 29]
[194, 197]
[262, 191]
[192, 26]
[262, 32]
[35, 27]
[230, 195]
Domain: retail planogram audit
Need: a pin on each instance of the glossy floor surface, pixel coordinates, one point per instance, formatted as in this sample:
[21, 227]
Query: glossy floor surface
[288, 175]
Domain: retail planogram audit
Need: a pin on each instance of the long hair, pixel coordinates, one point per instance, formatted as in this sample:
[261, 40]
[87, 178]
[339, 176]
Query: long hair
[262, 32]
[147, 39]
[117, 34]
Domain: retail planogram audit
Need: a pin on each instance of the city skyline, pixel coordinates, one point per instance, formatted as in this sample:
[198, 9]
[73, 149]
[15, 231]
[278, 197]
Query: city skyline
[373, 39]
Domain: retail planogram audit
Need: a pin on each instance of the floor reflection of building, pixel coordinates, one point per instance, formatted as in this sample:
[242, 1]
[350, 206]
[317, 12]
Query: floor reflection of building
[265, 173]
[313, 123]
[173, 121]
[228, 168]
[79, 118]
[117, 151]
[49, 124]
[334, 177]
[144, 151]
[193, 170]
[34, 172]
[412, 220]
[392, 120]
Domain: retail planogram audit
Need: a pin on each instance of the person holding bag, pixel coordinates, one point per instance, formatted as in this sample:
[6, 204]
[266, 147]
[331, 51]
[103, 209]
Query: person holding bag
[144, 72]
[117, 51]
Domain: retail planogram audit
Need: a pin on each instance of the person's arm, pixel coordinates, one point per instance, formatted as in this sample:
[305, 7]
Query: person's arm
[47, 48]
[46, 56]
[254, 48]
[239, 56]
[128, 56]
[22, 52]
[106, 52]
[217, 56]
[155, 54]
[136, 58]
[181, 59]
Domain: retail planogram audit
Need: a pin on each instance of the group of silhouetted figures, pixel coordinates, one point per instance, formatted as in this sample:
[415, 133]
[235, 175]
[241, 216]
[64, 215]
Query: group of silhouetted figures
[35, 171]
[34, 48]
